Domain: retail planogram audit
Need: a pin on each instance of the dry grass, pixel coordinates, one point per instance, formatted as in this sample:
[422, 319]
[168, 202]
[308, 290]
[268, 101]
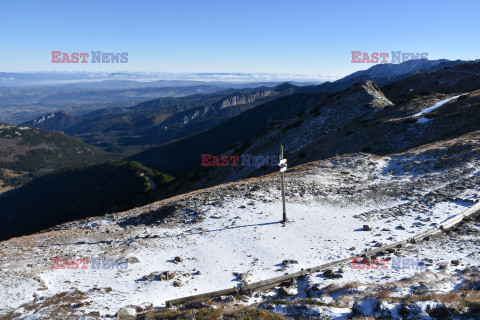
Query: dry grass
[456, 299]
[382, 295]
[224, 313]
[301, 301]
[59, 306]
[346, 287]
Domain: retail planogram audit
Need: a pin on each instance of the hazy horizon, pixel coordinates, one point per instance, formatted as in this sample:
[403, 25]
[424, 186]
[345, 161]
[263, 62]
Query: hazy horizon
[316, 37]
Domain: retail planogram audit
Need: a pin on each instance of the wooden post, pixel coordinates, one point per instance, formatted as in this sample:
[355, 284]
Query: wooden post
[283, 184]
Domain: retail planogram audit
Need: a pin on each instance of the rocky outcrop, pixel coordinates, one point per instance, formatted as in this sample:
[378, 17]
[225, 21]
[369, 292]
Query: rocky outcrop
[217, 109]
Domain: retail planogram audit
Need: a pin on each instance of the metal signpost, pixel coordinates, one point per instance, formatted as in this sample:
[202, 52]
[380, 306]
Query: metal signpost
[283, 167]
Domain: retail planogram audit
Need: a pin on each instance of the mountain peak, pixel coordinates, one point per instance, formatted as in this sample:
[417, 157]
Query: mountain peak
[364, 92]
[284, 86]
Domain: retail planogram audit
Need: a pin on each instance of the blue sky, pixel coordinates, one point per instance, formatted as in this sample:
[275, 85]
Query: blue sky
[233, 36]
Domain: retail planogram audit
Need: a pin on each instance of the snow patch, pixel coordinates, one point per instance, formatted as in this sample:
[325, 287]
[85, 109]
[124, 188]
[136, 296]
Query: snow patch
[435, 106]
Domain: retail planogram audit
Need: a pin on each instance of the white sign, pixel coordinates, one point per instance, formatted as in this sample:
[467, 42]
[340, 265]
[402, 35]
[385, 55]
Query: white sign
[283, 169]
[282, 161]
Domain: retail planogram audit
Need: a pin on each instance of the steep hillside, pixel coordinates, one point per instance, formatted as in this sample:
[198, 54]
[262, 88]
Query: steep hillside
[298, 133]
[74, 193]
[36, 151]
[206, 116]
[359, 119]
[457, 79]
[181, 155]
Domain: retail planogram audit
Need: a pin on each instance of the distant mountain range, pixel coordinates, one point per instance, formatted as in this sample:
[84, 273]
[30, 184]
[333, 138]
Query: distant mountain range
[20, 104]
[383, 74]
[123, 80]
[158, 121]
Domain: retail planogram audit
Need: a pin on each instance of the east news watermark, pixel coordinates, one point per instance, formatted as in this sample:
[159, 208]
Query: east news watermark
[243, 160]
[89, 57]
[361, 263]
[95, 263]
[383, 57]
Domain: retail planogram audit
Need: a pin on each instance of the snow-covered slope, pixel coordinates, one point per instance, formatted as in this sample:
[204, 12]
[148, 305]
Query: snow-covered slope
[220, 237]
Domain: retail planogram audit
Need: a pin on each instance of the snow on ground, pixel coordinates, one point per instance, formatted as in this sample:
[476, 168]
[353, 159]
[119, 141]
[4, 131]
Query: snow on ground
[241, 238]
[434, 107]
[230, 240]
[16, 291]
[448, 264]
